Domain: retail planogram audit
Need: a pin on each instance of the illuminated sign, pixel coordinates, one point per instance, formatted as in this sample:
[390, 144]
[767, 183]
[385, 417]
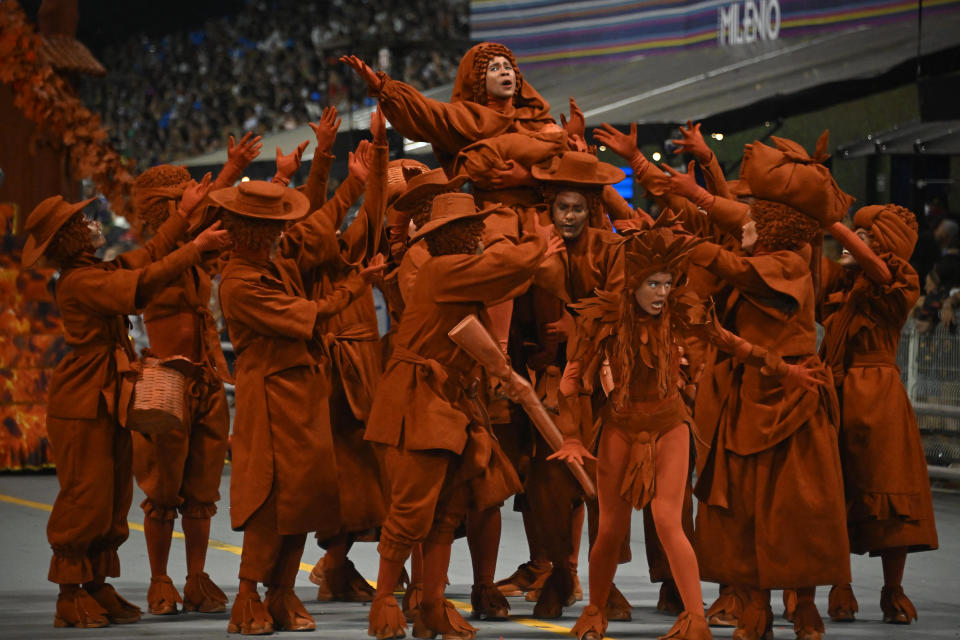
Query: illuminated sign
[748, 21]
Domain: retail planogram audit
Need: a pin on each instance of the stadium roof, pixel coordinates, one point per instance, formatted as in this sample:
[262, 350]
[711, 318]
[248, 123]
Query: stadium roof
[728, 88]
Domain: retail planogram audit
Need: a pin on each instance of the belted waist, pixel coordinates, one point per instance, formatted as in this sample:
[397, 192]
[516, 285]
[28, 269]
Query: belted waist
[873, 359]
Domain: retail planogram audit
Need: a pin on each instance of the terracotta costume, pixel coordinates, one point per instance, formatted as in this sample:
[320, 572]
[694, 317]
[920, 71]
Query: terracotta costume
[440, 458]
[283, 480]
[866, 301]
[180, 470]
[770, 513]
[90, 391]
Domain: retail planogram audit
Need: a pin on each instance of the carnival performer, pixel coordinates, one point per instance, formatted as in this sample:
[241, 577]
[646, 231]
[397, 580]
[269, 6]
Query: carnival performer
[284, 475]
[440, 457]
[91, 389]
[771, 513]
[180, 470]
[868, 297]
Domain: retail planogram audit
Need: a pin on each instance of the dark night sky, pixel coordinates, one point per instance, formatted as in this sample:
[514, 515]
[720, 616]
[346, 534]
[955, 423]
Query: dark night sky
[103, 22]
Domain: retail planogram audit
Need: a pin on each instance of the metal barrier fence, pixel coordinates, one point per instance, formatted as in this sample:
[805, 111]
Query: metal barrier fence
[930, 368]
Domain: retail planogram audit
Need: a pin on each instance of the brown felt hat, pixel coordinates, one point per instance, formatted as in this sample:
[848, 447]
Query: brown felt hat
[264, 200]
[451, 207]
[578, 168]
[44, 222]
[425, 186]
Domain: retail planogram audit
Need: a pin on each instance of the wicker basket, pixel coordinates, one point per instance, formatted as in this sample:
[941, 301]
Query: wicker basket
[157, 405]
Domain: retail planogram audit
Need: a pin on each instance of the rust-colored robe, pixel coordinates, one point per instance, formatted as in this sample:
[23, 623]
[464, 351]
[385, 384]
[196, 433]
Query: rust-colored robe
[281, 433]
[887, 486]
[771, 513]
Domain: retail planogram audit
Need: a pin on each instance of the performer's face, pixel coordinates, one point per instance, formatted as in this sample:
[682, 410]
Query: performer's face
[846, 258]
[96, 234]
[748, 236]
[652, 294]
[501, 78]
[570, 214]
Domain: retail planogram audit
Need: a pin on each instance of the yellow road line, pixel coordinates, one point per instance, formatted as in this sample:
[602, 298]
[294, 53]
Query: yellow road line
[231, 548]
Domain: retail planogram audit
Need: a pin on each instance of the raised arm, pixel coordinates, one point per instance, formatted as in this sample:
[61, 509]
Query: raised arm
[873, 267]
[239, 157]
[325, 130]
[361, 240]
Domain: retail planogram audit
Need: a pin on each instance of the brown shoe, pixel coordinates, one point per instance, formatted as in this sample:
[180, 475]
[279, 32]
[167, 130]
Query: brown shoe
[411, 601]
[807, 622]
[591, 625]
[249, 616]
[755, 622]
[79, 609]
[385, 619]
[726, 609]
[119, 610]
[689, 627]
[618, 608]
[529, 575]
[555, 594]
[162, 597]
[488, 603]
[896, 606]
[287, 610]
[670, 601]
[201, 594]
[341, 584]
[842, 604]
[442, 618]
[789, 604]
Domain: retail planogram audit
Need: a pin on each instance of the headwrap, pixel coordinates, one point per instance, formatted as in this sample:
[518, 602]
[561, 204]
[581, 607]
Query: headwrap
[470, 85]
[894, 228]
[787, 174]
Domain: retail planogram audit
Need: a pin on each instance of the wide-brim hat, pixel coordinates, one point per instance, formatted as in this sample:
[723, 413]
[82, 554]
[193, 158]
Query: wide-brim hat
[44, 222]
[451, 207]
[425, 186]
[263, 200]
[578, 168]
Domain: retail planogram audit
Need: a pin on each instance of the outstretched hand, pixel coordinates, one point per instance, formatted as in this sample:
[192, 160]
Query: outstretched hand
[623, 144]
[193, 194]
[572, 450]
[363, 70]
[683, 184]
[288, 164]
[691, 141]
[374, 269]
[378, 127]
[577, 124]
[242, 153]
[358, 162]
[326, 129]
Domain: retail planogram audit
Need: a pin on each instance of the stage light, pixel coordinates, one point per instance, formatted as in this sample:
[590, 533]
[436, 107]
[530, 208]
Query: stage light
[717, 136]
[602, 148]
[245, 179]
[656, 156]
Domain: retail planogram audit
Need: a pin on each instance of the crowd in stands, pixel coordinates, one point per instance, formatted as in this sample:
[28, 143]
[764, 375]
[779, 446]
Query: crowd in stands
[270, 66]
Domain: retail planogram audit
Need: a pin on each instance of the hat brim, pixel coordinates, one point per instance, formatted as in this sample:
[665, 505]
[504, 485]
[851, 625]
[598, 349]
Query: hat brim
[411, 197]
[602, 176]
[295, 204]
[33, 249]
[433, 225]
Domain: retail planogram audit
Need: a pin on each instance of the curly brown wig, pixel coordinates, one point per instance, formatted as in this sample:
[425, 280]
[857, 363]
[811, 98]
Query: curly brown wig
[480, 63]
[154, 211]
[252, 234]
[421, 216]
[458, 237]
[780, 227]
[594, 195]
[71, 241]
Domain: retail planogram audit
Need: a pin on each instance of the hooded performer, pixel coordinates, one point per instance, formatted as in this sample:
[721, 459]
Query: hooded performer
[868, 297]
[771, 513]
[91, 389]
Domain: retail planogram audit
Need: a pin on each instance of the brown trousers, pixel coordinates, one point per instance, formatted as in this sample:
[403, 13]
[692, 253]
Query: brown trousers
[89, 518]
[181, 470]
